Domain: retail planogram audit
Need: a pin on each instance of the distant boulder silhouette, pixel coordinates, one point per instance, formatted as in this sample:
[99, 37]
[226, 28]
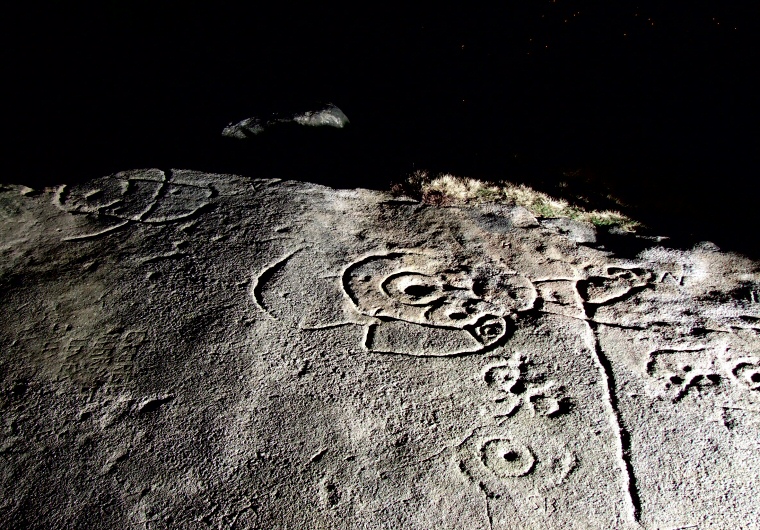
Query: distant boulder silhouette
[327, 116]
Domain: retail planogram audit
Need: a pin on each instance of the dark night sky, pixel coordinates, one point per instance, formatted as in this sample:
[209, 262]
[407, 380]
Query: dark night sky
[655, 99]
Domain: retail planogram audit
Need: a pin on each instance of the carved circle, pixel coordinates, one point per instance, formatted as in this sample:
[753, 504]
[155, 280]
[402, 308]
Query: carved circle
[748, 374]
[507, 459]
[412, 288]
[489, 329]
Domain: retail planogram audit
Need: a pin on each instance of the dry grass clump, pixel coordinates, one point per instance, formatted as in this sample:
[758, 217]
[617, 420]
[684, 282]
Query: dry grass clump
[450, 190]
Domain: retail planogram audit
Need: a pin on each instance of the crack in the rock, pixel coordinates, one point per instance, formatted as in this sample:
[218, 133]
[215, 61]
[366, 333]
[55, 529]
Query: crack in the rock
[624, 438]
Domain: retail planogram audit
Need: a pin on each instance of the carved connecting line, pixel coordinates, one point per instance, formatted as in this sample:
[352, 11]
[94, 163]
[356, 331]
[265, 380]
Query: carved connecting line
[149, 197]
[629, 483]
[617, 285]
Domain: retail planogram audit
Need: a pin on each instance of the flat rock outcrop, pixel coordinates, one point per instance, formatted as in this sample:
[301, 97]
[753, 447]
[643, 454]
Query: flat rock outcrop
[186, 350]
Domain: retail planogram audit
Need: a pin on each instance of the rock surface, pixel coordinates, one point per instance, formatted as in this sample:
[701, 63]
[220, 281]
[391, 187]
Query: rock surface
[328, 116]
[185, 350]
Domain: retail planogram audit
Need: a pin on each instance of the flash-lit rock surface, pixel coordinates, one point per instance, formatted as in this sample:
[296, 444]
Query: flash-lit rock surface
[185, 350]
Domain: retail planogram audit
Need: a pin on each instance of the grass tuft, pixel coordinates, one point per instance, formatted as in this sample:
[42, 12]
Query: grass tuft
[449, 190]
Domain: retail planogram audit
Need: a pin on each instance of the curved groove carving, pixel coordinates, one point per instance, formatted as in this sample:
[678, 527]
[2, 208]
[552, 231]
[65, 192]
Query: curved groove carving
[147, 196]
[424, 305]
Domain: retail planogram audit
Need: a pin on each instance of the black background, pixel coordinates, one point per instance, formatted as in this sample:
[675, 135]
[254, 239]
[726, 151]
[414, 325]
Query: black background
[652, 102]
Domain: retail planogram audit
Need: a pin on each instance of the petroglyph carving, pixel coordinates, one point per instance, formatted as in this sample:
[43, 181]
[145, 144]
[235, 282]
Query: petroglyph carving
[280, 291]
[547, 400]
[505, 458]
[409, 302]
[614, 284]
[741, 366]
[722, 366]
[426, 289]
[561, 297]
[746, 372]
[146, 196]
[517, 389]
[397, 336]
[425, 305]
[679, 371]
[499, 462]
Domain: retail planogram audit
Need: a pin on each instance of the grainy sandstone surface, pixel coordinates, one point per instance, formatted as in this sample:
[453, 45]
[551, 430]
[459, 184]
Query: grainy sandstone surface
[185, 350]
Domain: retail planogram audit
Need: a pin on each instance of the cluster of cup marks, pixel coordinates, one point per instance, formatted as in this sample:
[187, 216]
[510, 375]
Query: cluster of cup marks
[682, 371]
[436, 292]
[516, 391]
